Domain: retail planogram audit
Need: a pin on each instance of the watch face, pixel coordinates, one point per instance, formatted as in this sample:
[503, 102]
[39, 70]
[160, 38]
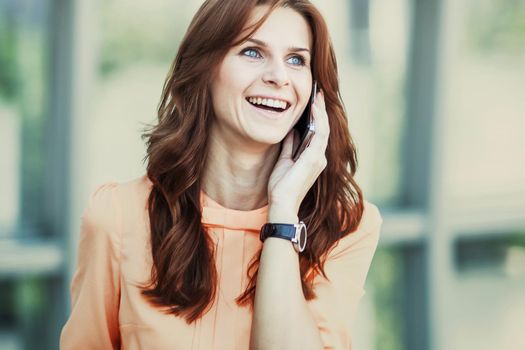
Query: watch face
[302, 237]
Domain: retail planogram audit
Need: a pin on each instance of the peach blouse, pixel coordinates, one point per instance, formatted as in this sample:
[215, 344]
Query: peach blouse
[108, 311]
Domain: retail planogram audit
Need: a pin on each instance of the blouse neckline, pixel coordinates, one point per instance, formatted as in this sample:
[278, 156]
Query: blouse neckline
[214, 214]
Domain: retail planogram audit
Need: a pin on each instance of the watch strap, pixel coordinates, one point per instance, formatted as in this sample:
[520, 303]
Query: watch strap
[286, 231]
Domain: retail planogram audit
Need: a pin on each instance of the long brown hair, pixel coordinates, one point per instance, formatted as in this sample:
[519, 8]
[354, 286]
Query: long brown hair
[183, 277]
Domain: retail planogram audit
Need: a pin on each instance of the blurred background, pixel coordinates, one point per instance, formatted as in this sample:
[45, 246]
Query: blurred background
[435, 95]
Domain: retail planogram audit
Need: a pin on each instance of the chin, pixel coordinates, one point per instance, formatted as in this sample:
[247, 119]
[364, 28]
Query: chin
[269, 138]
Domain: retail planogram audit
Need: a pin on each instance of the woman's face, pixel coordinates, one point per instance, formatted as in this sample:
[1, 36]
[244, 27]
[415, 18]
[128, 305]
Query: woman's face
[273, 63]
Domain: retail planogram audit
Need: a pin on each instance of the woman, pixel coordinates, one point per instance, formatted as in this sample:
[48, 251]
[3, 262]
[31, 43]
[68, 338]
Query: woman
[174, 260]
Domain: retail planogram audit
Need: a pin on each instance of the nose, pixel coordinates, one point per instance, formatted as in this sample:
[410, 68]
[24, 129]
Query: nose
[276, 74]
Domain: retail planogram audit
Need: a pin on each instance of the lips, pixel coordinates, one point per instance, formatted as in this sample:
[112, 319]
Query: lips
[269, 108]
[268, 112]
[271, 97]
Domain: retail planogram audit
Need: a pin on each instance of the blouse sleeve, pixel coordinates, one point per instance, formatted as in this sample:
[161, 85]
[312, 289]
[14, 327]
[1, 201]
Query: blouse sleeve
[95, 287]
[346, 266]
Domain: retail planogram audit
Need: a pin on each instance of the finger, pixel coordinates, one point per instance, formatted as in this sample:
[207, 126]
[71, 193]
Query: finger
[324, 123]
[321, 93]
[322, 128]
[288, 144]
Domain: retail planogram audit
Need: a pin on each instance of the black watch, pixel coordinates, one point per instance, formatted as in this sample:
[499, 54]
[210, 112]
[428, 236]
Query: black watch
[296, 233]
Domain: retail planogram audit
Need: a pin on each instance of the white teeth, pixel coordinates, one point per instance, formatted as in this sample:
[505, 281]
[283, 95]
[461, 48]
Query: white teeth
[268, 102]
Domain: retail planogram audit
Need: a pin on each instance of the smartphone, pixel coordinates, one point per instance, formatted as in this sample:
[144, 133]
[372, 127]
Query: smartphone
[305, 125]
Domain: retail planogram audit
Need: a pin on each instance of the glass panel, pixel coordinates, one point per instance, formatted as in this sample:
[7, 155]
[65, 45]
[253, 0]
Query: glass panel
[491, 286]
[380, 323]
[24, 94]
[485, 104]
[8, 338]
[375, 99]
[496, 254]
[133, 62]
[24, 49]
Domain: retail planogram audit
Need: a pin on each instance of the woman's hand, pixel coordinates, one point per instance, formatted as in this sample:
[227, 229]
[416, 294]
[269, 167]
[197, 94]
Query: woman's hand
[290, 181]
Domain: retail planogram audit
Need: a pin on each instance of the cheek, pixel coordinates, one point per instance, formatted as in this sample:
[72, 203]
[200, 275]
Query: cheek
[306, 88]
[235, 74]
[304, 91]
[303, 82]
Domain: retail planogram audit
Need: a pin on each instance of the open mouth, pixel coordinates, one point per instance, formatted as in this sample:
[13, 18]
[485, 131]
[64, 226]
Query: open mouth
[269, 108]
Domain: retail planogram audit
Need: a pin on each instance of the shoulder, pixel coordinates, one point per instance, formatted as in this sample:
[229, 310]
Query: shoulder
[134, 194]
[112, 200]
[100, 211]
[371, 218]
[365, 236]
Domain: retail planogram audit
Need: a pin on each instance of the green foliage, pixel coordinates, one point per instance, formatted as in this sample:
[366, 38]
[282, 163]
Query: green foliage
[518, 239]
[497, 26]
[386, 276]
[127, 38]
[30, 297]
[9, 70]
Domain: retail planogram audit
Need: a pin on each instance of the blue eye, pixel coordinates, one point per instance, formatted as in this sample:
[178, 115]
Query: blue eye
[299, 60]
[254, 53]
[257, 55]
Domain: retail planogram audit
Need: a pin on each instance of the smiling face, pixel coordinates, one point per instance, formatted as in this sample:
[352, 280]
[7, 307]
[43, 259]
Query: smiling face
[272, 68]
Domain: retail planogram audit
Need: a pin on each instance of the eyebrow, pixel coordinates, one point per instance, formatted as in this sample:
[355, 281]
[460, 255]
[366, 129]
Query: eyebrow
[291, 48]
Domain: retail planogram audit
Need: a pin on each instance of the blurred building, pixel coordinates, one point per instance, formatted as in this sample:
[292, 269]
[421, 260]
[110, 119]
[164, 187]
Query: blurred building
[435, 96]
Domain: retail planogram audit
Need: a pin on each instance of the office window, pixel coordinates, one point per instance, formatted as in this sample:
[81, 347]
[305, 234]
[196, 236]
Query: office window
[490, 286]
[24, 96]
[101, 66]
[28, 261]
[485, 139]
[132, 63]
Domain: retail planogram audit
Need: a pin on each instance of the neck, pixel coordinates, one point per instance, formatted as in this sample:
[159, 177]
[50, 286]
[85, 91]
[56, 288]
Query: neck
[236, 176]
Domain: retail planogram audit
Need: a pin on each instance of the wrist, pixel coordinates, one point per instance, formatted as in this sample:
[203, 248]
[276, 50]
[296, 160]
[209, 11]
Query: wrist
[295, 233]
[282, 216]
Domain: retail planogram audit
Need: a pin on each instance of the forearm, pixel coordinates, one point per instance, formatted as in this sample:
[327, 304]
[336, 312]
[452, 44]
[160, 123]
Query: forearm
[281, 317]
